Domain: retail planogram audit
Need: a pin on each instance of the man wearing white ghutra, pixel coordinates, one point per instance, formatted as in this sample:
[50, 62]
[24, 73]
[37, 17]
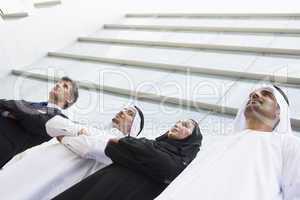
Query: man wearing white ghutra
[260, 161]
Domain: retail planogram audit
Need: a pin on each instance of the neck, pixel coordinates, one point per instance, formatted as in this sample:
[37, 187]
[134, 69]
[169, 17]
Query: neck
[121, 129]
[254, 124]
[59, 104]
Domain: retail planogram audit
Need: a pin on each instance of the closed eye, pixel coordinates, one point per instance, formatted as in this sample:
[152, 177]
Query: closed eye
[250, 95]
[65, 86]
[185, 124]
[268, 93]
[130, 112]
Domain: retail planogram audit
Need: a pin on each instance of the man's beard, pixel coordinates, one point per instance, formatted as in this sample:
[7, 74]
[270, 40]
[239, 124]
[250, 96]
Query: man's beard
[57, 99]
[256, 113]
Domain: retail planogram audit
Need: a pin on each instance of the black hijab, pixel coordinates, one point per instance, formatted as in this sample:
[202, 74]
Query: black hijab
[186, 148]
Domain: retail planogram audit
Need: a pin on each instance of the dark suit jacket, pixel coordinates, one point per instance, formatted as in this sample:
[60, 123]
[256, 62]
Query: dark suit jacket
[26, 130]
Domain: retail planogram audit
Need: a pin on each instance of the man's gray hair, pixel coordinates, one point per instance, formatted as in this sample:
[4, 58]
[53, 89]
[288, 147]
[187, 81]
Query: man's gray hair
[74, 91]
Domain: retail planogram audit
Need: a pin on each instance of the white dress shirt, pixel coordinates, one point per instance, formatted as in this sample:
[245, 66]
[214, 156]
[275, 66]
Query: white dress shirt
[60, 126]
[52, 105]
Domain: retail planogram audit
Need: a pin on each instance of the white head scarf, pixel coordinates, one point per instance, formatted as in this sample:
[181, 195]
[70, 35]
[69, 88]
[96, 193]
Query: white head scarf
[284, 125]
[136, 126]
[138, 122]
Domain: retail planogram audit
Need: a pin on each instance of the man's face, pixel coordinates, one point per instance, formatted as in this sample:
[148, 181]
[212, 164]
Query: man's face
[61, 92]
[181, 130]
[262, 105]
[124, 119]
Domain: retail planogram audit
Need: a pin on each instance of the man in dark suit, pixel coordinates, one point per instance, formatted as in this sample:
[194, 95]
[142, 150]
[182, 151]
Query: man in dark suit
[22, 123]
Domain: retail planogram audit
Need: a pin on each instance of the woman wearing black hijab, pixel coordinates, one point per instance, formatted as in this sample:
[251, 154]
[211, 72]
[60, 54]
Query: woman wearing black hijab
[141, 168]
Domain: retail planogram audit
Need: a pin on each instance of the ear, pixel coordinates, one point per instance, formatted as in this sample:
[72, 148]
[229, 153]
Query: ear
[68, 99]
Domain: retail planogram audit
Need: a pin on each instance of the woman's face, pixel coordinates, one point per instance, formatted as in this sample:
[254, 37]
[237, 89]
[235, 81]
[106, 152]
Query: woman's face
[181, 130]
[124, 119]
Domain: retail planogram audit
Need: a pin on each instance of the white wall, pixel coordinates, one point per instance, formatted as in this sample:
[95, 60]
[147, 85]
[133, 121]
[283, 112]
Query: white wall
[23, 41]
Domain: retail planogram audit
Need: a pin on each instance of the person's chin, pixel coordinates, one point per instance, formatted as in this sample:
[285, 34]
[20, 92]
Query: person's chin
[257, 112]
[52, 94]
[115, 124]
[55, 92]
[115, 120]
[252, 111]
[55, 95]
[253, 107]
[171, 135]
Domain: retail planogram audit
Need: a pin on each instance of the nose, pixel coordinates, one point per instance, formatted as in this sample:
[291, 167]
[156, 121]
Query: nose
[121, 113]
[178, 125]
[58, 85]
[255, 95]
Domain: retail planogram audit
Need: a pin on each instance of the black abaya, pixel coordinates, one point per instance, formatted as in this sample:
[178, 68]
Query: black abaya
[141, 169]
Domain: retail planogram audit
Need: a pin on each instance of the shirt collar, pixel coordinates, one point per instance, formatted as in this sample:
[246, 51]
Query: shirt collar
[52, 105]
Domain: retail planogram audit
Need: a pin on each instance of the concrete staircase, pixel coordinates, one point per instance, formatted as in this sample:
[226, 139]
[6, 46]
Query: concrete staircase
[175, 66]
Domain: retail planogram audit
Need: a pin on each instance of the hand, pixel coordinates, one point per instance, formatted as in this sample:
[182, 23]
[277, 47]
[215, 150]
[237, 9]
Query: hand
[7, 114]
[114, 141]
[11, 116]
[83, 131]
[59, 138]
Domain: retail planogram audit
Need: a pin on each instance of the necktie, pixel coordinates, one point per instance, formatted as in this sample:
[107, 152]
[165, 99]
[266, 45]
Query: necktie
[40, 105]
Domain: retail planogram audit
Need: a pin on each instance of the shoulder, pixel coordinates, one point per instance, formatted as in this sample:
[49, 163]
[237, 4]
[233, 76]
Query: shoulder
[24, 102]
[291, 145]
[61, 114]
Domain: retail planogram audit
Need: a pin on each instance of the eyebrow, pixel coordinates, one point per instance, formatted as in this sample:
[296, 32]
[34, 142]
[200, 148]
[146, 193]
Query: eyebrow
[189, 122]
[264, 90]
[128, 109]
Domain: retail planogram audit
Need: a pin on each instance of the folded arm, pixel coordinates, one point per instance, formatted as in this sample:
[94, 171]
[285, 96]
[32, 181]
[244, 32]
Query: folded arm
[60, 126]
[29, 119]
[6, 108]
[141, 155]
[89, 146]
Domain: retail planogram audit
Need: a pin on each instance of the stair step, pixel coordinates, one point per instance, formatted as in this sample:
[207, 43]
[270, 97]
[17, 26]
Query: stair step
[231, 48]
[215, 15]
[46, 3]
[145, 95]
[13, 15]
[215, 22]
[182, 68]
[291, 31]
[251, 40]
